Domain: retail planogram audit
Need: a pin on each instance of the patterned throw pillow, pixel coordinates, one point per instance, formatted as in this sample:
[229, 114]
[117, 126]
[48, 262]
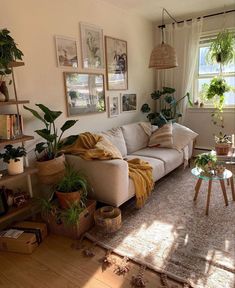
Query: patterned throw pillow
[162, 137]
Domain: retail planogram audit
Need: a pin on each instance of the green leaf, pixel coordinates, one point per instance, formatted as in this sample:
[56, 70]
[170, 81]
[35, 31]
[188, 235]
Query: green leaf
[68, 124]
[35, 113]
[145, 108]
[50, 116]
[40, 147]
[45, 133]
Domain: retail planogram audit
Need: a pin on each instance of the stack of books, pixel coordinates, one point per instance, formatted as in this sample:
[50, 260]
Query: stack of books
[11, 126]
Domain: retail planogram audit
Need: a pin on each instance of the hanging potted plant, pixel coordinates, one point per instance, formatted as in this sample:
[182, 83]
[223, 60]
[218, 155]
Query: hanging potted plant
[50, 160]
[14, 157]
[8, 54]
[72, 188]
[221, 49]
[223, 144]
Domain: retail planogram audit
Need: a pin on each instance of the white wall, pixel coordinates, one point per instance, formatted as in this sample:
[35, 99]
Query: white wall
[33, 25]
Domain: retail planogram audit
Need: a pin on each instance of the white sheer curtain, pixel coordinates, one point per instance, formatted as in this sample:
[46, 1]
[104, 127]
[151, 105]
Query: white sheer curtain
[184, 38]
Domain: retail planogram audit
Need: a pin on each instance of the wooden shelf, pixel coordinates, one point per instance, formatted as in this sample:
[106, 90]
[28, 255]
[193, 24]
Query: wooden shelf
[13, 102]
[7, 178]
[16, 64]
[17, 140]
[13, 212]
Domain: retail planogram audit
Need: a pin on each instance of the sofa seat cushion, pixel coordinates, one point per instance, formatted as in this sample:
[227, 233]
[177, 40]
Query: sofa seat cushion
[115, 136]
[158, 165]
[135, 136]
[171, 157]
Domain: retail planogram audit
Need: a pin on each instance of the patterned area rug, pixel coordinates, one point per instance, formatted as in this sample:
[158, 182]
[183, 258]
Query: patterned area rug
[172, 234]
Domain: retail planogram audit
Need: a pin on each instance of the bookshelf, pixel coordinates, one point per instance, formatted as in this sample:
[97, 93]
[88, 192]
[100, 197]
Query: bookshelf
[28, 171]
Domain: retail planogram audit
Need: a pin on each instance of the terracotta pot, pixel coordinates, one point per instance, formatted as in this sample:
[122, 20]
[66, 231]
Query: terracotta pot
[51, 171]
[222, 148]
[17, 167]
[68, 198]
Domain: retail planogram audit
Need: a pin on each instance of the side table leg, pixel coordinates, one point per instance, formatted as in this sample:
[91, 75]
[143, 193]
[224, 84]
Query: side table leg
[224, 191]
[197, 188]
[208, 197]
[232, 188]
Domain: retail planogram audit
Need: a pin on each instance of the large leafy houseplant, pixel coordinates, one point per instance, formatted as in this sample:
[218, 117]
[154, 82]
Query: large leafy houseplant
[168, 106]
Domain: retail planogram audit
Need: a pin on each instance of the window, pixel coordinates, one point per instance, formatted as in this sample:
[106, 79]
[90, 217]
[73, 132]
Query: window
[205, 72]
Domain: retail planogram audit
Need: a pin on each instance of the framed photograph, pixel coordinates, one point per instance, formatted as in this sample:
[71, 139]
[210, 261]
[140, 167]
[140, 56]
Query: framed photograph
[128, 102]
[66, 51]
[116, 63]
[84, 93]
[92, 46]
[113, 106]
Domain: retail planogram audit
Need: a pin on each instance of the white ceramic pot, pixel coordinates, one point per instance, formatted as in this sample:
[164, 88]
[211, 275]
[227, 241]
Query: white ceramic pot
[17, 167]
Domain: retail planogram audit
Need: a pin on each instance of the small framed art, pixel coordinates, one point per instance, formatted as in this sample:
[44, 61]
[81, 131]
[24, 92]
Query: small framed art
[128, 102]
[66, 51]
[116, 63]
[92, 46]
[84, 93]
[113, 106]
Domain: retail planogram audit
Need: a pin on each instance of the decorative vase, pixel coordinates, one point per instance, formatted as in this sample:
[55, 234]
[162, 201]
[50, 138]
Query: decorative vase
[66, 199]
[222, 148]
[4, 90]
[51, 171]
[15, 167]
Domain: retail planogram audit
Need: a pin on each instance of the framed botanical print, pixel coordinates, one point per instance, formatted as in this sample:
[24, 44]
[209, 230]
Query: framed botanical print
[92, 46]
[66, 51]
[84, 93]
[128, 102]
[116, 63]
[113, 106]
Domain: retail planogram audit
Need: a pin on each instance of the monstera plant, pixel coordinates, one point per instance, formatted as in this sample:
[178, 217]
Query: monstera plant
[168, 106]
[48, 152]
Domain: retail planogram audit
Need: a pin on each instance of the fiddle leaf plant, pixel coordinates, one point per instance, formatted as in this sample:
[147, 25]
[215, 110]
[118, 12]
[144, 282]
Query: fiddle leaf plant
[50, 148]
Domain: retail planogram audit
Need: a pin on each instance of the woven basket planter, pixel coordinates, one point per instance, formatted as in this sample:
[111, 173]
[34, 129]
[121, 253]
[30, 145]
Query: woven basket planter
[108, 219]
[222, 148]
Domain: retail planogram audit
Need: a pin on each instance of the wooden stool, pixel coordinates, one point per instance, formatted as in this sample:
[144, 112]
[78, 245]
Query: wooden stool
[227, 175]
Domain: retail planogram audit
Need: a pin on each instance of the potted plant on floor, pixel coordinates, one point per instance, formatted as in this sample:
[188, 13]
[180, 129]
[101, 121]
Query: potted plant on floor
[14, 157]
[223, 144]
[50, 160]
[8, 54]
[72, 188]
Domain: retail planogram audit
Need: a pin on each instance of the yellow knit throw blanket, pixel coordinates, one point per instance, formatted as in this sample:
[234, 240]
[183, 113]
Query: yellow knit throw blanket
[92, 146]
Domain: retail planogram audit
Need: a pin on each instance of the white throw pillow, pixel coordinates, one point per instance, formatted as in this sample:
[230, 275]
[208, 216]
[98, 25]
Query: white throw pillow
[182, 136]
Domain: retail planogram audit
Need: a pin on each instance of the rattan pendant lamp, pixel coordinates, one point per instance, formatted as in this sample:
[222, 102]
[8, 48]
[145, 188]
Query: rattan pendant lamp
[163, 56]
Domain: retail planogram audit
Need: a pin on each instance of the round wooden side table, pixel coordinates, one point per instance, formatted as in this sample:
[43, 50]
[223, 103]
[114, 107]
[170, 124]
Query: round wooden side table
[227, 175]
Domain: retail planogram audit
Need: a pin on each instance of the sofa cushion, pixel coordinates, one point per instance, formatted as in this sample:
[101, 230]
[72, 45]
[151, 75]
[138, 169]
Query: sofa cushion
[158, 165]
[135, 137]
[171, 157]
[182, 136]
[162, 137]
[115, 136]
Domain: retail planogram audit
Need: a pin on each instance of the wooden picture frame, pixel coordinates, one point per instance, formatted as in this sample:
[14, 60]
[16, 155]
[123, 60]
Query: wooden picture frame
[66, 52]
[116, 63]
[128, 102]
[92, 46]
[85, 93]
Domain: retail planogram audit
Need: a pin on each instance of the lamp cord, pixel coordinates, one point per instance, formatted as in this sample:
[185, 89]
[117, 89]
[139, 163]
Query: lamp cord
[163, 25]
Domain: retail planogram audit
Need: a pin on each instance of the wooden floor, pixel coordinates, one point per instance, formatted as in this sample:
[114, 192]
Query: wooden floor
[56, 265]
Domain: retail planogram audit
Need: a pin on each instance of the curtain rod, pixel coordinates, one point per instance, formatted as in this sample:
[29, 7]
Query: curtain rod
[206, 16]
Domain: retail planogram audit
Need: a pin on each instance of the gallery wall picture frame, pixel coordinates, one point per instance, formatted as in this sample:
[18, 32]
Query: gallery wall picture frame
[92, 46]
[116, 63]
[128, 102]
[113, 106]
[85, 93]
[66, 51]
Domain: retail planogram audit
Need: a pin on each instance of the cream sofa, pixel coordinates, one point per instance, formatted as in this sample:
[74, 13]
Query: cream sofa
[109, 178]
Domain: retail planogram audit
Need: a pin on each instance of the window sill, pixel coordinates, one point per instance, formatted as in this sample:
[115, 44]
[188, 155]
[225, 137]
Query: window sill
[210, 109]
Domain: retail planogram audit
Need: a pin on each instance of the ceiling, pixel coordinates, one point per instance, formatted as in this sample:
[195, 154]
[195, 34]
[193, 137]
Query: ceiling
[179, 9]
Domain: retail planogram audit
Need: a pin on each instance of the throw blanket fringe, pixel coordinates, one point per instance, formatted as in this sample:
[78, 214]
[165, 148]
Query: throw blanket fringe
[92, 146]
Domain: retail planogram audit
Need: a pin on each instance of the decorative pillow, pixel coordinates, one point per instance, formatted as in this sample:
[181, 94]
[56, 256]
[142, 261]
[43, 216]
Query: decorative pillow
[162, 137]
[182, 136]
[115, 136]
[148, 128]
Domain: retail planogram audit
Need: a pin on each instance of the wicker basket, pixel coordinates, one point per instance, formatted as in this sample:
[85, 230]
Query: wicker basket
[222, 148]
[108, 219]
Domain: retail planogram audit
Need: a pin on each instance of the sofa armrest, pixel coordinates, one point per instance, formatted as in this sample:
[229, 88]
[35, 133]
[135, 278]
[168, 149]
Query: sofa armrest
[108, 178]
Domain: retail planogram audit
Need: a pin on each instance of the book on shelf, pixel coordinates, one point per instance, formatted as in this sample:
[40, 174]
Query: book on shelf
[11, 126]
